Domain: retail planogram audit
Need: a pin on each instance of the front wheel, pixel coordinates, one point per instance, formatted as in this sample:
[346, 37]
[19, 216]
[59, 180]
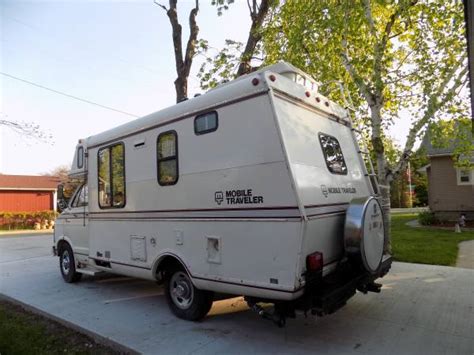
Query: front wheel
[67, 264]
[184, 299]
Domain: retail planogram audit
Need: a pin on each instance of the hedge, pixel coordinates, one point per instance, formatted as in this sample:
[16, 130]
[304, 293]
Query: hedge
[25, 220]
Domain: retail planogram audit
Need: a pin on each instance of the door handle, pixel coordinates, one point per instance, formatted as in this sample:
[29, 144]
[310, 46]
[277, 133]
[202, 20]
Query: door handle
[68, 220]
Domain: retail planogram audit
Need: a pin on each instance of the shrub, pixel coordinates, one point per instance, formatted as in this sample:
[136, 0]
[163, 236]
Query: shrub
[427, 218]
[24, 220]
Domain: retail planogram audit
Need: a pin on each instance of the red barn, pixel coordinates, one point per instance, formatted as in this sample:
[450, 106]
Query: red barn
[24, 193]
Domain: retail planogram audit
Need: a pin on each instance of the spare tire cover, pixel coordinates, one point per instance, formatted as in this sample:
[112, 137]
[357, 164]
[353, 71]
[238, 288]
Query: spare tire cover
[364, 232]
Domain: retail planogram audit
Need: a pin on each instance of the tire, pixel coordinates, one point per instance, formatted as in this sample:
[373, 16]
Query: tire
[183, 298]
[67, 265]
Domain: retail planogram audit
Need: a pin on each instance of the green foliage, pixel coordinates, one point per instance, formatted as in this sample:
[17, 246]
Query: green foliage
[427, 218]
[421, 191]
[221, 5]
[25, 220]
[456, 135]
[222, 66]
[423, 245]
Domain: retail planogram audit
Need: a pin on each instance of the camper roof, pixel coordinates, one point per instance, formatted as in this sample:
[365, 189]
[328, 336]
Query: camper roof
[282, 68]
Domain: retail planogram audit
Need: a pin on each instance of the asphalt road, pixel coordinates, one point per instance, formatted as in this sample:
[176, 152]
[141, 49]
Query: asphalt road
[421, 310]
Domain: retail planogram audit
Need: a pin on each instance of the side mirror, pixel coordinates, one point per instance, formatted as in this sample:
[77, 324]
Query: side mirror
[60, 192]
[62, 203]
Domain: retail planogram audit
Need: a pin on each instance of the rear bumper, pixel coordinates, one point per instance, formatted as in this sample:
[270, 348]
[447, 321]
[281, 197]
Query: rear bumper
[325, 295]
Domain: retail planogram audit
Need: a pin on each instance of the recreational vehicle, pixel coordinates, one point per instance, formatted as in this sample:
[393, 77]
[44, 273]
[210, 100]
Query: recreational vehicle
[256, 188]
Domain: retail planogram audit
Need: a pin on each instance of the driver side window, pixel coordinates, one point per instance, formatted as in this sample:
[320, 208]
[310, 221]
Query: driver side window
[81, 198]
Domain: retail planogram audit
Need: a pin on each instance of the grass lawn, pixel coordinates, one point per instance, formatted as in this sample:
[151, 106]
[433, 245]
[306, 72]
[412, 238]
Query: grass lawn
[22, 332]
[425, 245]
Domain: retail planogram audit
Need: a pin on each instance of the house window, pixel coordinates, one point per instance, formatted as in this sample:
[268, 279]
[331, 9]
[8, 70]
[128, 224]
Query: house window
[333, 154]
[111, 175]
[465, 176]
[80, 157]
[206, 123]
[167, 158]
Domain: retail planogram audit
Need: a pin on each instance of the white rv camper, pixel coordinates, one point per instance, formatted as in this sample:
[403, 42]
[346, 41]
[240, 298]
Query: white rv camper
[256, 188]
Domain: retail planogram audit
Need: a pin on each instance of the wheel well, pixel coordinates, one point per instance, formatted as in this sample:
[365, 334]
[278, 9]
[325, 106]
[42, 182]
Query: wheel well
[61, 245]
[166, 264]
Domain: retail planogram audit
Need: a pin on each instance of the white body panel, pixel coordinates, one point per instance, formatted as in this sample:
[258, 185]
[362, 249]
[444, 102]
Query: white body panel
[266, 145]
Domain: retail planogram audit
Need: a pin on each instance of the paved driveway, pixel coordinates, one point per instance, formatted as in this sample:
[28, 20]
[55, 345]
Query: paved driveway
[421, 310]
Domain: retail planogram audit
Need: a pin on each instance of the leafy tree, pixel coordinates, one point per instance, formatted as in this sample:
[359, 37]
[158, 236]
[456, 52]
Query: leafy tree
[183, 61]
[69, 185]
[237, 59]
[455, 135]
[389, 57]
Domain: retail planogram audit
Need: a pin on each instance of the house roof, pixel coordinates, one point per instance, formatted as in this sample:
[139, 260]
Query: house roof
[447, 148]
[28, 182]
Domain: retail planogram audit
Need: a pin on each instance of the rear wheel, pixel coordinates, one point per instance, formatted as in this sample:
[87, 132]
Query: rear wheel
[184, 299]
[67, 264]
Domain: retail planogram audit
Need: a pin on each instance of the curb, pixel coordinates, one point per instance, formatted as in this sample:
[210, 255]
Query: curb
[97, 338]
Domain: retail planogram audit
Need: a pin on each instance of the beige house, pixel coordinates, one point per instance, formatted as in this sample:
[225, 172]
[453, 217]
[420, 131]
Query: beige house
[450, 189]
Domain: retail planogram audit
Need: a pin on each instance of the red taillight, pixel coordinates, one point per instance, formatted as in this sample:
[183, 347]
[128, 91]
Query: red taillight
[314, 262]
[307, 93]
[272, 77]
[255, 81]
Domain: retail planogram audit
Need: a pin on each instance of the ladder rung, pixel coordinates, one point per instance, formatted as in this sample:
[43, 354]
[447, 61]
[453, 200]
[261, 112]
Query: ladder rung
[356, 130]
[363, 152]
[370, 174]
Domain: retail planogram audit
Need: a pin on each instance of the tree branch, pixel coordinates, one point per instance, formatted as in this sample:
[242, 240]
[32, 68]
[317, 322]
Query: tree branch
[370, 19]
[191, 45]
[160, 5]
[254, 36]
[434, 104]
[360, 83]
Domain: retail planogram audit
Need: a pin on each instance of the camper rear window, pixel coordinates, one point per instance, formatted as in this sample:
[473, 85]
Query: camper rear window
[111, 174]
[333, 154]
[167, 157]
[205, 123]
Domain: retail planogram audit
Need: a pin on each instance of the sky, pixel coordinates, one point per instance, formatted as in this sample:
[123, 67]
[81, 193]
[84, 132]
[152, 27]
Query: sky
[114, 53]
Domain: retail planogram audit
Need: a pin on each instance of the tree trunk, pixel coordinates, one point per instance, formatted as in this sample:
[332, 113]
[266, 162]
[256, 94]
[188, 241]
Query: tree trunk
[254, 36]
[384, 183]
[183, 64]
[384, 200]
[181, 86]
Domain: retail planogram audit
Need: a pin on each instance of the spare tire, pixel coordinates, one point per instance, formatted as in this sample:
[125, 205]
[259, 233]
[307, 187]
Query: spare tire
[364, 232]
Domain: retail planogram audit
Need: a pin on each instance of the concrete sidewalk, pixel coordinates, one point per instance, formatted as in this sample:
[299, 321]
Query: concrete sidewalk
[422, 310]
[466, 255]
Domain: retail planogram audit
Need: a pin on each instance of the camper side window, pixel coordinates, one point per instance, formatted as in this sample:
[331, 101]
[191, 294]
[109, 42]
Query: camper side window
[205, 123]
[80, 157]
[111, 175]
[333, 154]
[167, 158]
